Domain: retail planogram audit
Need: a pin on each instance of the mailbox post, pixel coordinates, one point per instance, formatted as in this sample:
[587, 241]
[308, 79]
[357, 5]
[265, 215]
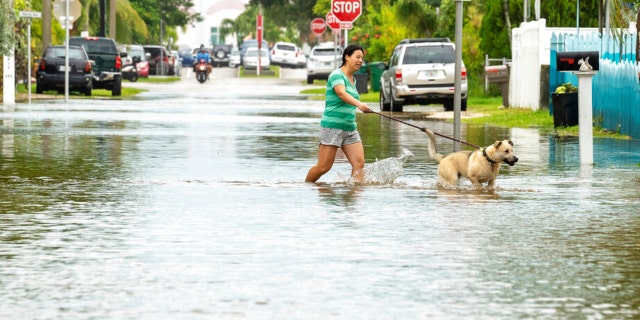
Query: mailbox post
[584, 64]
[499, 75]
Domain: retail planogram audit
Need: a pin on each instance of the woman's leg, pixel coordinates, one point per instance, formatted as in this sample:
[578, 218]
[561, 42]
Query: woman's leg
[355, 155]
[326, 157]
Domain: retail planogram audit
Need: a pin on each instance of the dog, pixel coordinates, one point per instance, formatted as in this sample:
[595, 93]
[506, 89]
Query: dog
[479, 166]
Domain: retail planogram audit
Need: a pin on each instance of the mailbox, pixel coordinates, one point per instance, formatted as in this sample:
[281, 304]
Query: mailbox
[578, 61]
[497, 74]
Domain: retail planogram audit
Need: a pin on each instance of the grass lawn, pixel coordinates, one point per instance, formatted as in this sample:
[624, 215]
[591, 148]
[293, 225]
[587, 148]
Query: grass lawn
[494, 115]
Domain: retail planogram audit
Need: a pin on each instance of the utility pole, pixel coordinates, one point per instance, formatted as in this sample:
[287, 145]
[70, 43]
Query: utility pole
[112, 19]
[103, 15]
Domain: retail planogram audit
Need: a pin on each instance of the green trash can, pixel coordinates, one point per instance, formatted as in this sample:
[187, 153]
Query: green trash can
[362, 79]
[375, 71]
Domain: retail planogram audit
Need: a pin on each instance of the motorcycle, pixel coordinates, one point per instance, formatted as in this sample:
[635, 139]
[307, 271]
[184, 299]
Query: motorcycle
[201, 71]
[129, 71]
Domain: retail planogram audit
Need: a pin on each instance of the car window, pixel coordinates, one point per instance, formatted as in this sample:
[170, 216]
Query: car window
[326, 52]
[74, 53]
[96, 46]
[287, 47]
[428, 54]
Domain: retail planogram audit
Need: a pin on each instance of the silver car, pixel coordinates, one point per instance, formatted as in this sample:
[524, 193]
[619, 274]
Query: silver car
[421, 71]
[322, 60]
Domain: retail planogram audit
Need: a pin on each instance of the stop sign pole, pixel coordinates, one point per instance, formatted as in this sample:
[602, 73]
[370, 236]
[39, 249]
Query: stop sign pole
[259, 36]
[346, 11]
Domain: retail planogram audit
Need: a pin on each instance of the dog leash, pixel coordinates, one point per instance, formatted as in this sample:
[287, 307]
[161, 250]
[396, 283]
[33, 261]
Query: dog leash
[423, 129]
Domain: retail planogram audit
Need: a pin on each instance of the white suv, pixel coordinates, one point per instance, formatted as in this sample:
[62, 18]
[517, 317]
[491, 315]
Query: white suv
[284, 54]
[421, 71]
[323, 59]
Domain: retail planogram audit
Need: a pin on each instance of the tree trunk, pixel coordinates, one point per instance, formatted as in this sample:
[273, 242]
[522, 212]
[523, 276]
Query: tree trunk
[507, 19]
[46, 23]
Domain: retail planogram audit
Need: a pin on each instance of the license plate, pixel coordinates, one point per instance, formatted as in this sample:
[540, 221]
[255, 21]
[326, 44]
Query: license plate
[328, 63]
[429, 74]
[62, 68]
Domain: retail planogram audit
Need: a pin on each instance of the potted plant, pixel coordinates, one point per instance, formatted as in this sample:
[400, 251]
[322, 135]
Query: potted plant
[565, 105]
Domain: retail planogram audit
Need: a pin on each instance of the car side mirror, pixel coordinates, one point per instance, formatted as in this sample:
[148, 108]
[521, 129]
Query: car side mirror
[123, 54]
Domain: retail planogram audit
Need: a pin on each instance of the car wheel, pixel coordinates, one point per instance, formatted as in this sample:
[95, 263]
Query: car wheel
[396, 106]
[309, 80]
[39, 88]
[448, 105]
[87, 91]
[116, 90]
[463, 105]
[384, 106]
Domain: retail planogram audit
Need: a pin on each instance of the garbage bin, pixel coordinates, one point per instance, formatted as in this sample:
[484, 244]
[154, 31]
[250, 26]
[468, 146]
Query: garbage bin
[565, 109]
[375, 71]
[362, 79]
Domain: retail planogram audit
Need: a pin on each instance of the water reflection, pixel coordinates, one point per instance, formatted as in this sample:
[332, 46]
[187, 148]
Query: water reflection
[204, 206]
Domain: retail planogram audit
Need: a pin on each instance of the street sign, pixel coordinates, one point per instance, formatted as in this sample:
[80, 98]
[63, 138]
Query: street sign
[346, 10]
[318, 26]
[30, 14]
[60, 7]
[332, 21]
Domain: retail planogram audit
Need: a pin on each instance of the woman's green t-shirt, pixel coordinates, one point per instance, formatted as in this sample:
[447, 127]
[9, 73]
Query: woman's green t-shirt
[337, 113]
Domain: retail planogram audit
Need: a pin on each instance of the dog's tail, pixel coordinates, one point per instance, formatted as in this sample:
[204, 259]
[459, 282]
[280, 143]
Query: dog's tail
[433, 152]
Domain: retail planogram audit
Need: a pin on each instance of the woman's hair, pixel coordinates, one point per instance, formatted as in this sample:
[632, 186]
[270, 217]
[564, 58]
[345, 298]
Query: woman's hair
[348, 51]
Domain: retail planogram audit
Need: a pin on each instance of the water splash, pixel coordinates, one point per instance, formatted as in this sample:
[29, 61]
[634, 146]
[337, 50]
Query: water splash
[384, 171]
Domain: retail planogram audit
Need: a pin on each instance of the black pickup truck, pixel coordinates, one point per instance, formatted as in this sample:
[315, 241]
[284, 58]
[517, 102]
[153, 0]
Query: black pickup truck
[106, 62]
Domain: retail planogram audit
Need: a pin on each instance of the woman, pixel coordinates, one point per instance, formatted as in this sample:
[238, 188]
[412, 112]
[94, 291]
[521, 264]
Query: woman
[338, 124]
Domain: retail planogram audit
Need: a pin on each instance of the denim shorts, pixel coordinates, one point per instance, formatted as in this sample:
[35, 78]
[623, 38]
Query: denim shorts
[337, 137]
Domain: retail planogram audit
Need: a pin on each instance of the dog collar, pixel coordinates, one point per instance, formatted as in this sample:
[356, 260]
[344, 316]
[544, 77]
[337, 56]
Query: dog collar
[484, 153]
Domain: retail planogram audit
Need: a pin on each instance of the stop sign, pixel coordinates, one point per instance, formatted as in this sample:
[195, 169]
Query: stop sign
[318, 26]
[332, 21]
[346, 10]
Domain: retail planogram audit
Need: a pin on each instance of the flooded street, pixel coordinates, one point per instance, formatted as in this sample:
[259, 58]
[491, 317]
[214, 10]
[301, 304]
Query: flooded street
[188, 202]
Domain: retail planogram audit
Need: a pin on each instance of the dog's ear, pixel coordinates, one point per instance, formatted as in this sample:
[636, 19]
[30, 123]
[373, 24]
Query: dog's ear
[510, 142]
[497, 144]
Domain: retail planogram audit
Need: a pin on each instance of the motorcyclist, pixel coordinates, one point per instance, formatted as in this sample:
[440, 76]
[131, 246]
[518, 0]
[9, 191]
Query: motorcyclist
[204, 55]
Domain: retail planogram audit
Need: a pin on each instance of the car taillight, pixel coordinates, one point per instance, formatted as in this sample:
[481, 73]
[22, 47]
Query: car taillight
[87, 67]
[398, 75]
[43, 62]
[118, 62]
[464, 74]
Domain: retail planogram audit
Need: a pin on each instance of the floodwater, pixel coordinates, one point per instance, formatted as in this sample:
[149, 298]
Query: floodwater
[189, 203]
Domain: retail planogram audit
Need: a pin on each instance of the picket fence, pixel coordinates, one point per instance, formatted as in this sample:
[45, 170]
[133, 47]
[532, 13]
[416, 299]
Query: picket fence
[616, 87]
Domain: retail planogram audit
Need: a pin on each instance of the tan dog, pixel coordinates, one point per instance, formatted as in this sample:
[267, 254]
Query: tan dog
[479, 166]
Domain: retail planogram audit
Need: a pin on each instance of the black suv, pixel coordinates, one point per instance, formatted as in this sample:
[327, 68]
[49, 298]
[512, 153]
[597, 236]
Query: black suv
[107, 62]
[220, 54]
[51, 70]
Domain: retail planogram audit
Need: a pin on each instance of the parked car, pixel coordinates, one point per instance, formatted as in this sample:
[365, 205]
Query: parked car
[188, 59]
[301, 59]
[220, 54]
[177, 64]
[421, 71]
[157, 65]
[107, 62]
[51, 70]
[250, 60]
[323, 59]
[234, 58]
[251, 43]
[132, 51]
[284, 54]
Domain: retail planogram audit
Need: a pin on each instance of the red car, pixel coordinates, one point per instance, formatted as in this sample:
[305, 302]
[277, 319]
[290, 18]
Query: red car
[136, 51]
